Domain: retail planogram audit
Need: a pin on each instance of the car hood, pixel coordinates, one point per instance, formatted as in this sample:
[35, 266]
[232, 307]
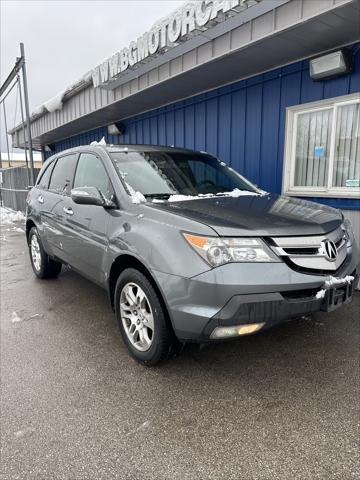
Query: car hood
[265, 215]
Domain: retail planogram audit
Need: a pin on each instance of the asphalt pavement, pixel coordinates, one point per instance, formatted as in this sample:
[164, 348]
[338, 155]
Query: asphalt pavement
[283, 404]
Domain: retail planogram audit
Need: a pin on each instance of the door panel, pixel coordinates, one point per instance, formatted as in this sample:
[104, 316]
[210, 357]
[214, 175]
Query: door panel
[86, 226]
[56, 197]
[85, 238]
[53, 223]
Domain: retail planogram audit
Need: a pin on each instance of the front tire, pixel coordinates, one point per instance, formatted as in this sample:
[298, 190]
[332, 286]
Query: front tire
[42, 264]
[142, 319]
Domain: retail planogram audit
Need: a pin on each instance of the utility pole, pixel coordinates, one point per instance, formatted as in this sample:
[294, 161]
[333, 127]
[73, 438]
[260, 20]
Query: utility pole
[23, 125]
[27, 112]
[6, 134]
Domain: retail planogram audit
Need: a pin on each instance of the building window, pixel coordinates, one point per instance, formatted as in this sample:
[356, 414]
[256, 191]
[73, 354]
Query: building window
[322, 152]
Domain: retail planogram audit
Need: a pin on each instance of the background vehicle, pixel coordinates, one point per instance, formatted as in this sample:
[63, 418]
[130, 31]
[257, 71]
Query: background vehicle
[187, 249]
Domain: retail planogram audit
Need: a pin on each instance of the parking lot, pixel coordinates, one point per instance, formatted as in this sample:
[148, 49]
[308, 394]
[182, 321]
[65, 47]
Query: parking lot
[74, 405]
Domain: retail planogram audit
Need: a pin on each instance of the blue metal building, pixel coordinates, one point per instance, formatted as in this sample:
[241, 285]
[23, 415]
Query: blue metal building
[246, 95]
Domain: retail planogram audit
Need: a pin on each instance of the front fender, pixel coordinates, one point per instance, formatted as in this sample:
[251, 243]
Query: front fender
[156, 241]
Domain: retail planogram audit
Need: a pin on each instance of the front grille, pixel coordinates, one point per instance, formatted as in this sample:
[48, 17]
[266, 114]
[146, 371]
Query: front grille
[301, 251]
[305, 253]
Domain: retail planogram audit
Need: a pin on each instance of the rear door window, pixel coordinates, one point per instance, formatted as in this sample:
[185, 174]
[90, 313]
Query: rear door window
[43, 182]
[63, 173]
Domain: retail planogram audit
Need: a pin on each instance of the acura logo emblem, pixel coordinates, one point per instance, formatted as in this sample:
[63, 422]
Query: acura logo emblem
[329, 250]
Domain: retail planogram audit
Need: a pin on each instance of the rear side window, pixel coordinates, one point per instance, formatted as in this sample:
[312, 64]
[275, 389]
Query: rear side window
[63, 173]
[45, 177]
[90, 172]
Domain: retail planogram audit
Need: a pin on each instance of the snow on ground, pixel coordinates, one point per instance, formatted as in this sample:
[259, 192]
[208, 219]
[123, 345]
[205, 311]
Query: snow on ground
[8, 216]
[15, 318]
[11, 221]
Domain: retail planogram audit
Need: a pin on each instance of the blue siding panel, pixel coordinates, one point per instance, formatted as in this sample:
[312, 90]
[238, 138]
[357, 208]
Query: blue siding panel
[310, 91]
[179, 127]
[170, 128]
[212, 119]
[139, 132]
[242, 123]
[224, 130]
[238, 120]
[200, 130]
[290, 95]
[154, 131]
[189, 141]
[253, 133]
[146, 127]
[270, 129]
[337, 87]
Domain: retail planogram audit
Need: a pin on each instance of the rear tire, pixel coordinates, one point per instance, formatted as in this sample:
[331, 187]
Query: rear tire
[142, 320]
[42, 264]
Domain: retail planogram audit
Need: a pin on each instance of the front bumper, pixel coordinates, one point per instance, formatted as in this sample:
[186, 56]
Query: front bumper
[271, 309]
[240, 294]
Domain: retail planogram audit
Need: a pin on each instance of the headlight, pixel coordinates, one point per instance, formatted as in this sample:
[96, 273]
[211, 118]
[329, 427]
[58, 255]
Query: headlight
[349, 232]
[217, 251]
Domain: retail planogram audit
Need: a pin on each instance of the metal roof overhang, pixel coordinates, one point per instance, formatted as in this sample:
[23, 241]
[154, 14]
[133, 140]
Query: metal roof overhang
[321, 33]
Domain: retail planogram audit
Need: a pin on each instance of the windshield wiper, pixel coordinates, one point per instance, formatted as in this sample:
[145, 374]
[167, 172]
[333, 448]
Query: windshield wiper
[160, 196]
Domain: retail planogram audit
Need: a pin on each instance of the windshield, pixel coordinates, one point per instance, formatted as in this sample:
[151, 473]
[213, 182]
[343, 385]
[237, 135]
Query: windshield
[162, 174]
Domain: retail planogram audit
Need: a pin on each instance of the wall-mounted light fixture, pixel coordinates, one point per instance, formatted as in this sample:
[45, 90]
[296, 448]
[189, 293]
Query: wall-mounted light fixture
[116, 128]
[331, 65]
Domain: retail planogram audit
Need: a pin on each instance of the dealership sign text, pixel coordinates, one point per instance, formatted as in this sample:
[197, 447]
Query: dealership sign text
[195, 15]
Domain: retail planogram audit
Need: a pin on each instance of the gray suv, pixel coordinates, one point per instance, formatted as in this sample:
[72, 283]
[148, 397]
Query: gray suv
[187, 249]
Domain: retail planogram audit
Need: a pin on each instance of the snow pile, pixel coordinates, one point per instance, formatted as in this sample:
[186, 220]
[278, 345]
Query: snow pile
[333, 281]
[136, 197]
[15, 318]
[238, 193]
[39, 110]
[8, 217]
[56, 102]
[102, 142]
[234, 193]
[182, 198]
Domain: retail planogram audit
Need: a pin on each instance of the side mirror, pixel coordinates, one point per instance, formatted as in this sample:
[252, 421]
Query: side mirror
[88, 196]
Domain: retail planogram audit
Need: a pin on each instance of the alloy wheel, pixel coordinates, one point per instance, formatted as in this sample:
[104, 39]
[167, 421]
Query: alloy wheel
[136, 316]
[35, 253]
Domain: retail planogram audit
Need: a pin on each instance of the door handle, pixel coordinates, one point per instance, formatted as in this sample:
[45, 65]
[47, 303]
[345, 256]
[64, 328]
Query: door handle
[68, 211]
[40, 199]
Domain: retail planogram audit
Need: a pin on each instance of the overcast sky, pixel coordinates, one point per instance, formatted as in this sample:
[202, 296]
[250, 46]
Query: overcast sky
[64, 39]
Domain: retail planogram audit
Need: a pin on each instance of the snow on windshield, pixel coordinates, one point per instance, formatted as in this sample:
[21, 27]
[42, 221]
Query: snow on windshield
[138, 197]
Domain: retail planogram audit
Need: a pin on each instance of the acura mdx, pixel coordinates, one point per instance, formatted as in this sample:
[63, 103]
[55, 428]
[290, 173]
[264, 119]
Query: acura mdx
[187, 248]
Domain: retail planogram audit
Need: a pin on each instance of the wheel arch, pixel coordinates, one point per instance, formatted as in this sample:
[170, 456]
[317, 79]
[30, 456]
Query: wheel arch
[29, 225]
[121, 263]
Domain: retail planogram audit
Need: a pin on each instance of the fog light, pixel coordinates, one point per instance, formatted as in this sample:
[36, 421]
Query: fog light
[236, 330]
